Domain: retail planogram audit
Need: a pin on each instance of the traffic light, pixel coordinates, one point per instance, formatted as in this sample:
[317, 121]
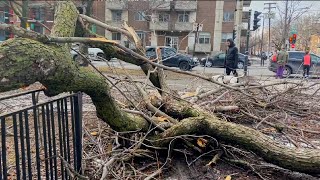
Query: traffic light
[290, 40]
[256, 20]
[294, 38]
[234, 34]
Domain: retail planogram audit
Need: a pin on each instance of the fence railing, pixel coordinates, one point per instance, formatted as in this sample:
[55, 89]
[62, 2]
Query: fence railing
[42, 141]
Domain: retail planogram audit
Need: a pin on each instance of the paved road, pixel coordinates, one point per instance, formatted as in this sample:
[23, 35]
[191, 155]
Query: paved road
[254, 70]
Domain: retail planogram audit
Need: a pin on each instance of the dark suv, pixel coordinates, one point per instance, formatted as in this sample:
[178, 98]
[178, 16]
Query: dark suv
[295, 65]
[171, 58]
[218, 60]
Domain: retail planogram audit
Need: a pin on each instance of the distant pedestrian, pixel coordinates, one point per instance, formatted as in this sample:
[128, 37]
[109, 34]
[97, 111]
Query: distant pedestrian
[263, 58]
[231, 61]
[282, 60]
[306, 64]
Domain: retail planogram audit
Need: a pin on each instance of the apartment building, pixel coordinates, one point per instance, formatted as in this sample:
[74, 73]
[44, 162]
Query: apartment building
[171, 23]
[41, 16]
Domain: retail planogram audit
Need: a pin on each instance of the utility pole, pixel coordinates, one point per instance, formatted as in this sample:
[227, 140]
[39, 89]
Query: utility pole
[261, 44]
[196, 27]
[269, 7]
[195, 40]
[285, 30]
[25, 12]
[245, 69]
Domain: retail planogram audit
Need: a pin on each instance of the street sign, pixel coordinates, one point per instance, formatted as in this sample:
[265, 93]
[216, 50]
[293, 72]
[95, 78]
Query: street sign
[293, 30]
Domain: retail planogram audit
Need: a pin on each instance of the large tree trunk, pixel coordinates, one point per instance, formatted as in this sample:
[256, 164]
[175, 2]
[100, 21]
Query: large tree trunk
[297, 159]
[25, 61]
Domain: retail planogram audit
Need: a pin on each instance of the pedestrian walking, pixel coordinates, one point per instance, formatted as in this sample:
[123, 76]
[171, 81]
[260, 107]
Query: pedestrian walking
[263, 58]
[306, 64]
[282, 60]
[231, 60]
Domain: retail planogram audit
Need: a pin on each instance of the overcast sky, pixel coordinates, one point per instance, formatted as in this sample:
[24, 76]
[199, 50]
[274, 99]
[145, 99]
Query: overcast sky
[259, 5]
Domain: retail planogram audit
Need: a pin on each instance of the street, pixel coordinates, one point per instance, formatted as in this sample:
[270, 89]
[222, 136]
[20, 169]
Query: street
[254, 70]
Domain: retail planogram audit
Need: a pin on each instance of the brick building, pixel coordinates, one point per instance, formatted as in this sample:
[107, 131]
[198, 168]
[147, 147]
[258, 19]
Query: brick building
[170, 22]
[41, 16]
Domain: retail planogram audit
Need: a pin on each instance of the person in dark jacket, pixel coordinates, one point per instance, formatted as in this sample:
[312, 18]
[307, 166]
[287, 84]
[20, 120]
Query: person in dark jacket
[231, 61]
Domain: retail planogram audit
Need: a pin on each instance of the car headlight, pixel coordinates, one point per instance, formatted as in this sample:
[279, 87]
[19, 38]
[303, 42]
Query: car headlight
[195, 59]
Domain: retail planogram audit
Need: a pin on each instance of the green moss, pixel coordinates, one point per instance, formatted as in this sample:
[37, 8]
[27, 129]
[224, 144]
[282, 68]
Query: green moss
[28, 61]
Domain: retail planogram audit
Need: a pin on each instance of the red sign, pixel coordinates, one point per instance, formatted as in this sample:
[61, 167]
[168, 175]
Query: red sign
[293, 46]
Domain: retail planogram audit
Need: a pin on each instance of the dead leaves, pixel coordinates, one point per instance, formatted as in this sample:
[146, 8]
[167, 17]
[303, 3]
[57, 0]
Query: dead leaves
[94, 133]
[162, 119]
[189, 94]
[202, 142]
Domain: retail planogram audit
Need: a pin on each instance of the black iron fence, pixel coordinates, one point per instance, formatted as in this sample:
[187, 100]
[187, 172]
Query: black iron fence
[42, 141]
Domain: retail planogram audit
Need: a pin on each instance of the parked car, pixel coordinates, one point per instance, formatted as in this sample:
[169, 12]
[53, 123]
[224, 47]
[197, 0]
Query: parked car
[218, 60]
[171, 58]
[95, 54]
[295, 65]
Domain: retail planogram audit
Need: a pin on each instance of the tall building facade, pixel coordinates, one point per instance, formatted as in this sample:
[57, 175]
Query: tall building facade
[172, 22]
[41, 16]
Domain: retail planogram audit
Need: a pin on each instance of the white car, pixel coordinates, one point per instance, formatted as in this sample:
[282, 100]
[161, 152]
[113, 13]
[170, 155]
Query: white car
[95, 54]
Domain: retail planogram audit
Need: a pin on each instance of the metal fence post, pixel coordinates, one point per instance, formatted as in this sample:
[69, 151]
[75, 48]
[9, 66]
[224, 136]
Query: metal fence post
[78, 131]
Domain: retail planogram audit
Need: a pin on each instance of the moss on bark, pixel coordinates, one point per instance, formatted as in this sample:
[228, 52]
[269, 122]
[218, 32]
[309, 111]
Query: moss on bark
[25, 61]
[296, 159]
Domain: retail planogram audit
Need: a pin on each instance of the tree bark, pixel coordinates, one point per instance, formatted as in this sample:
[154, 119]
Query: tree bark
[25, 61]
[301, 160]
[53, 67]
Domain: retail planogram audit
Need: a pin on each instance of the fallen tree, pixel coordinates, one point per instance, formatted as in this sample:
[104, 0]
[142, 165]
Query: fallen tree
[46, 59]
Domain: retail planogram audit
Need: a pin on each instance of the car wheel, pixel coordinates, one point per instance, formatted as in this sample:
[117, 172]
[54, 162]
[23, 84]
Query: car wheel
[209, 64]
[184, 66]
[240, 65]
[287, 71]
[101, 56]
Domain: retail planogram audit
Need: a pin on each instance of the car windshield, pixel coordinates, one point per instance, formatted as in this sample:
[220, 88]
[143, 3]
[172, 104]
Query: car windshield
[296, 55]
[315, 58]
[222, 56]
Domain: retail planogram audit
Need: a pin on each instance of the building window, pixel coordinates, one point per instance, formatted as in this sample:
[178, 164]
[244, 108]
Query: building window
[228, 16]
[225, 37]
[140, 16]
[116, 36]
[142, 36]
[2, 16]
[38, 13]
[172, 41]
[116, 15]
[204, 38]
[164, 17]
[183, 17]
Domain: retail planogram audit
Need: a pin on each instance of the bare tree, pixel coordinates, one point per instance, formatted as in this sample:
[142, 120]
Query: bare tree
[289, 11]
[307, 25]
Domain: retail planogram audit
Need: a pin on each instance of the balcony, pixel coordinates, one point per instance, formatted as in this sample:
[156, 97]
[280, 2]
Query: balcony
[159, 26]
[246, 3]
[116, 5]
[185, 5]
[203, 48]
[183, 26]
[160, 5]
